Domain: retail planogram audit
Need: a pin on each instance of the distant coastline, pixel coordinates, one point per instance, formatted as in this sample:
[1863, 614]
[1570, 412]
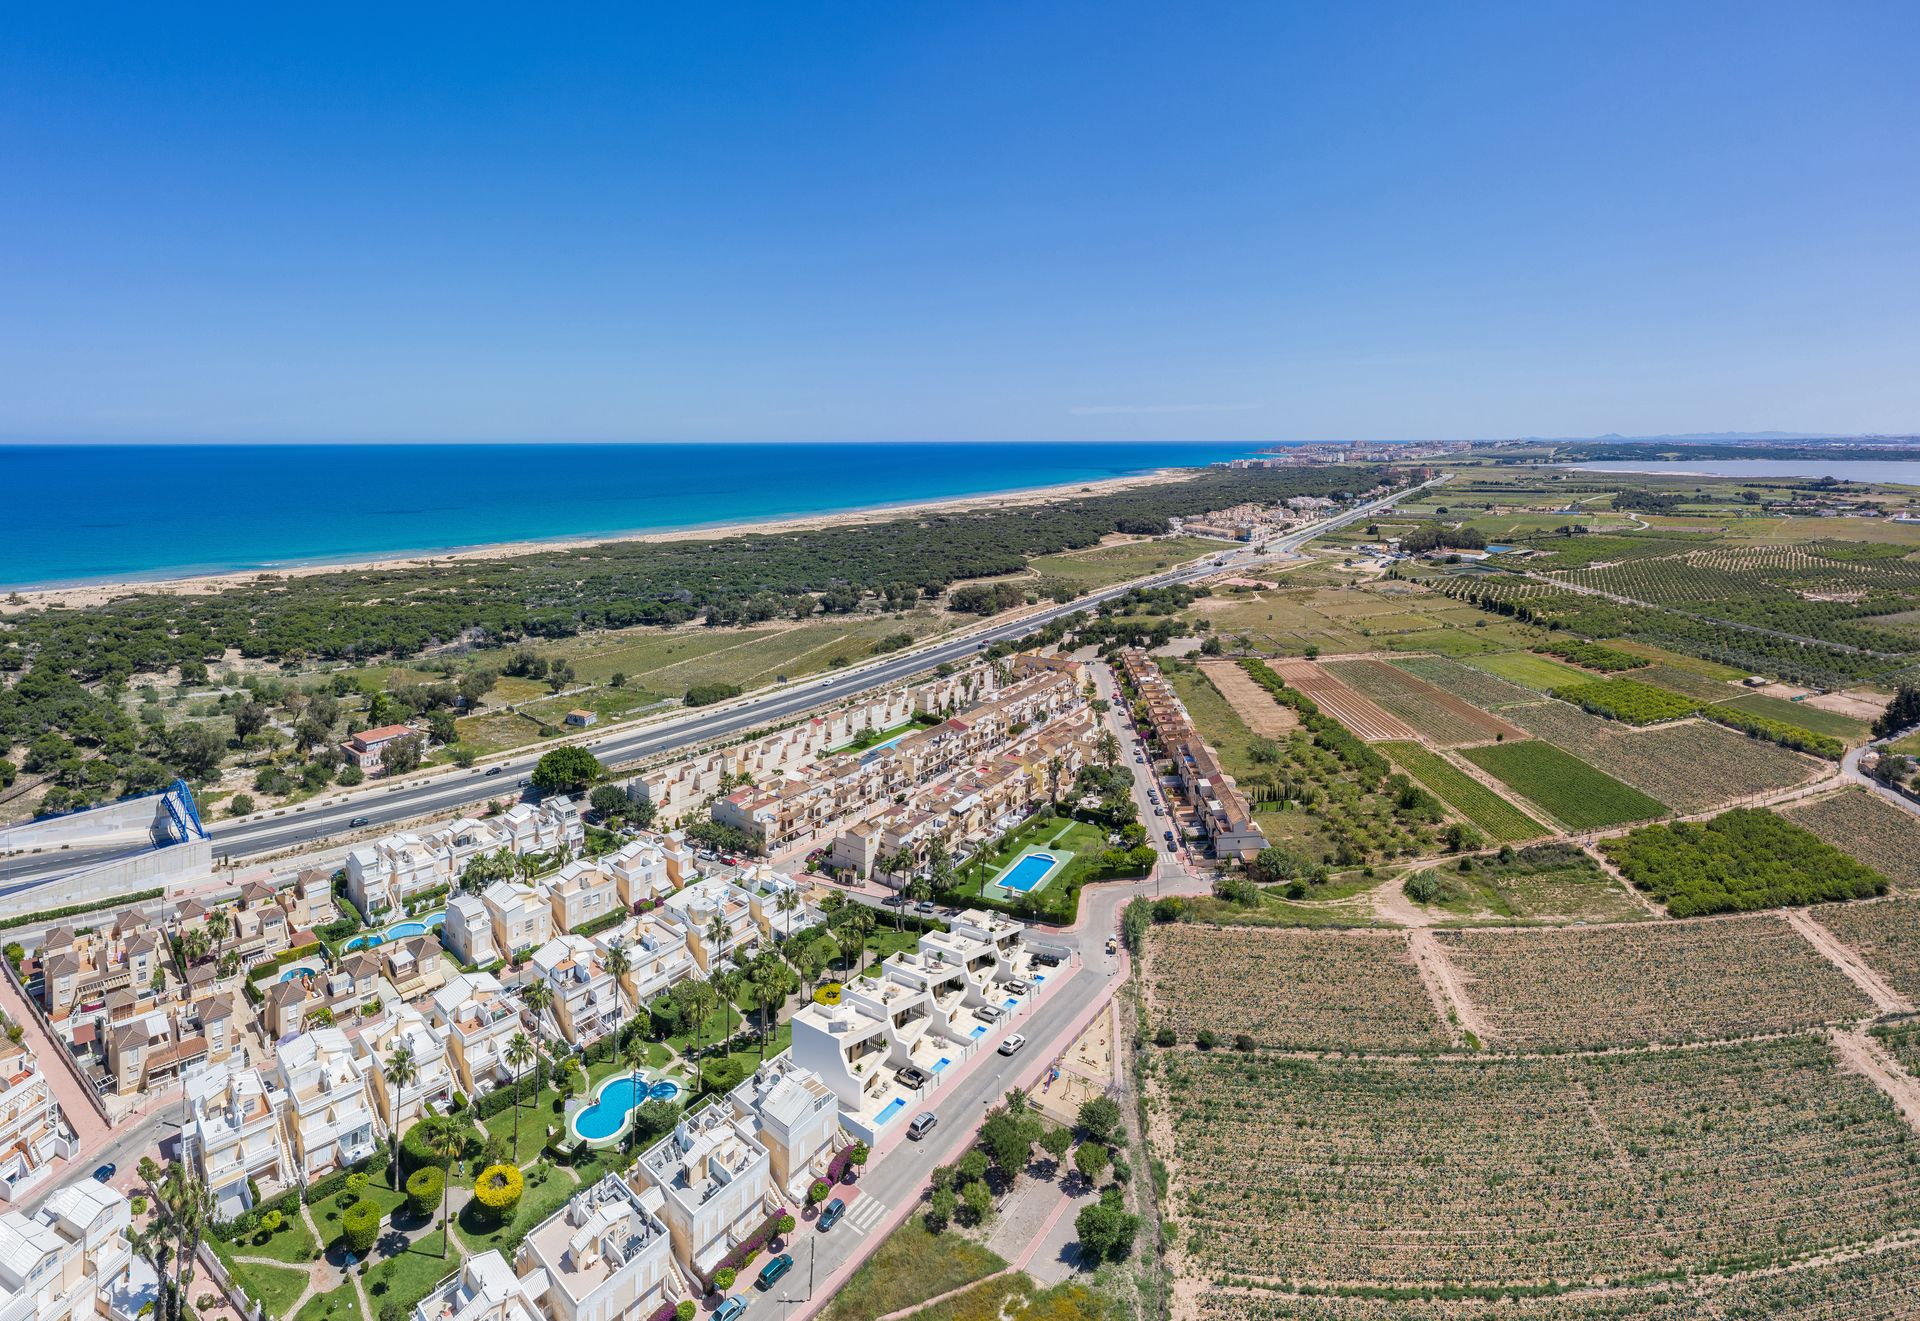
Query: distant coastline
[91, 521]
[77, 595]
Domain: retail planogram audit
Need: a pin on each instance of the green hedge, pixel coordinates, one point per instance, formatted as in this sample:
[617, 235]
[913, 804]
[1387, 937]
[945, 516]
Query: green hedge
[1777, 731]
[282, 959]
[605, 922]
[75, 910]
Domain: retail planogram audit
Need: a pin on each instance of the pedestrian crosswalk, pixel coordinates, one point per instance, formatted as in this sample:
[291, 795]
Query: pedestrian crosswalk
[864, 1214]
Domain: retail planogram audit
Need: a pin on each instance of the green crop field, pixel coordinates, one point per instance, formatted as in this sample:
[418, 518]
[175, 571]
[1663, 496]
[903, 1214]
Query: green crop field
[1574, 792]
[1526, 668]
[1500, 820]
[1830, 723]
[1629, 700]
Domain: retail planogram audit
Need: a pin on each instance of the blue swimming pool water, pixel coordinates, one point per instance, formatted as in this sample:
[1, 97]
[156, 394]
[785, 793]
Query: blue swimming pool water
[1029, 872]
[603, 1118]
[400, 931]
[1011, 1003]
[978, 1032]
[292, 974]
[893, 1107]
[944, 1061]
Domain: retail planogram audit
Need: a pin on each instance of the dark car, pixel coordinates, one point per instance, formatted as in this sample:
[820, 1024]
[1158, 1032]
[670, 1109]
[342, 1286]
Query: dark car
[830, 1214]
[771, 1272]
[359, 821]
[106, 1172]
[495, 770]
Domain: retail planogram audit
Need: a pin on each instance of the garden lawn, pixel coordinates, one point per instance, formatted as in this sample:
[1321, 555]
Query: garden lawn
[1501, 820]
[292, 1244]
[326, 1214]
[1059, 896]
[402, 1280]
[276, 1287]
[722, 1023]
[479, 1231]
[910, 1267]
[535, 1118]
[1581, 797]
[340, 1304]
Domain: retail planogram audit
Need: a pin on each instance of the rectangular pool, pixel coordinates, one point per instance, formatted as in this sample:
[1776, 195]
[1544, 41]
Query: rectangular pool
[978, 1032]
[892, 1108]
[941, 1063]
[1011, 1003]
[1029, 872]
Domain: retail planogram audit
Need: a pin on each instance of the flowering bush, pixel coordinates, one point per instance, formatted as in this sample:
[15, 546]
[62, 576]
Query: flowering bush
[498, 1188]
[748, 1246]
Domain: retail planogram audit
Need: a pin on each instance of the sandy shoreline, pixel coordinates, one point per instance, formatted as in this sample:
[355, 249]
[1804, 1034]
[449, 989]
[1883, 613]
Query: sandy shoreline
[81, 595]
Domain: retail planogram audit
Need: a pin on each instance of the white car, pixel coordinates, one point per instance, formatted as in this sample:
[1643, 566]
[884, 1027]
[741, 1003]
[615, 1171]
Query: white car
[1012, 1044]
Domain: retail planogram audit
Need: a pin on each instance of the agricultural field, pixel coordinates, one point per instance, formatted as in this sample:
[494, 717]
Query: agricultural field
[1687, 683]
[1428, 710]
[1885, 837]
[1830, 723]
[1902, 1041]
[1579, 796]
[1739, 861]
[1292, 989]
[1886, 935]
[1628, 700]
[1120, 561]
[1332, 694]
[1690, 767]
[1593, 987]
[1252, 703]
[1432, 1174]
[1535, 672]
[1676, 660]
[1472, 681]
[1493, 815]
[1549, 883]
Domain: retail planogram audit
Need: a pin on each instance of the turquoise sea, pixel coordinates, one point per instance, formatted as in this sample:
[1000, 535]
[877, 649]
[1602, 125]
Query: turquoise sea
[89, 513]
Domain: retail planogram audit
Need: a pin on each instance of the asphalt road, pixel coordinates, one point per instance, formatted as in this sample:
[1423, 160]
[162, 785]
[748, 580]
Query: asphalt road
[382, 806]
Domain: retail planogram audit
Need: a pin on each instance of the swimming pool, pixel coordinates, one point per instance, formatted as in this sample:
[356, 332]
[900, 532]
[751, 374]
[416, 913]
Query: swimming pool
[892, 1108]
[294, 974]
[978, 1032]
[616, 1098]
[1011, 1003]
[943, 1062]
[399, 931]
[1029, 873]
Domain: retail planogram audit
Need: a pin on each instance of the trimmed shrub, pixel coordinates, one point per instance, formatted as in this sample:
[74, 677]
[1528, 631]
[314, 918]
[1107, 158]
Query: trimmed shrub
[360, 1226]
[498, 1189]
[424, 1187]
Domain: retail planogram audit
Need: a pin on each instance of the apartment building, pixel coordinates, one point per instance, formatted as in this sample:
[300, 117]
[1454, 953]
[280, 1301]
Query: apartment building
[485, 1288]
[415, 967]
[365, 748]
[1218, 808]
[402, 1027]
[235, 1132]
[330, 1116]
[580, 892]
[657, 956]
[521, 916]
[79, 971]
[715, 1182]
[587, 1003]
[33, 1132]
[796, 1118]
[606, 1255]
[70, 1260]
[779, 902]
[468, 931]
[478, 1019]
[292, 1005]
[692, 910]
[385, 873]
[640, 872]
[152, 1048]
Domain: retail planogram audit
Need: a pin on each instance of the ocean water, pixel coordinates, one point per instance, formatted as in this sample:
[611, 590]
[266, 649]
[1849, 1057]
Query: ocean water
[89, 513]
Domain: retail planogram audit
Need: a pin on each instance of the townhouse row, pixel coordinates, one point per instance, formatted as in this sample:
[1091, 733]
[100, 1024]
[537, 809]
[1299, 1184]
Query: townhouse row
[1218, 808]
[71, 1260]
[394, 868]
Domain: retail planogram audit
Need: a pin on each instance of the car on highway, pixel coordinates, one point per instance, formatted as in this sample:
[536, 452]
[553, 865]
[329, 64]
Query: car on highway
[922, 1125]
[495, 770]
[730, 1310]
[359, 821]
[830, 1214]
[771, 1272]
[525, 783]
[1011, 1046]
[106, 1172]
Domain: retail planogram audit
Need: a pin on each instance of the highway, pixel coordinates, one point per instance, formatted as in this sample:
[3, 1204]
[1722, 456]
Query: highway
[382, 806]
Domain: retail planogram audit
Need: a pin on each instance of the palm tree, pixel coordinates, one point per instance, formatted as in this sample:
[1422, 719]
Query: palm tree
[726, 987]
[444, 1140]
[402, 1072]
[537, 995]
[697, 994]
[633, 1054]
[786, 903]
[182, 1211]
[618, 963]
[716, 938]
[218, 924]
[520, 1053]
[772, 983]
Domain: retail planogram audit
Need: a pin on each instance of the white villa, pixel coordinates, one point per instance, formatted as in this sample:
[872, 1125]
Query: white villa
[657, 956]
[71, 1259]
[484, 1289]
[587, 1004]
[692, 909]
[522, 918]
[715, 1181]
[797, 1120]
[403, 1026]
[235, 1133]
[330, 1117]
[477, 1018]
[394, 868]
[468, 931]
[33, 1132]
[606, 1255]
[580, 892]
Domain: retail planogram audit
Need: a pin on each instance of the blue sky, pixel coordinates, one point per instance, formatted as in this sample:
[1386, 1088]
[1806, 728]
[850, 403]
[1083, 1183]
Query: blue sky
[1000, 221]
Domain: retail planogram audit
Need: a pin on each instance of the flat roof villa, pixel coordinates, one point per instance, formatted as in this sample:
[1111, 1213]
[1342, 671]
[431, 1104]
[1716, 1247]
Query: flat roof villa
[478, 1019]
[605, 1255]
[234, 1137]
[484, 1289]
[797, 1121]
[716, 1184]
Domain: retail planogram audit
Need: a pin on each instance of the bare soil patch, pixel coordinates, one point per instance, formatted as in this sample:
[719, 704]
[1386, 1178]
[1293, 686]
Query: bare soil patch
[1362, 715]
[1252, 703]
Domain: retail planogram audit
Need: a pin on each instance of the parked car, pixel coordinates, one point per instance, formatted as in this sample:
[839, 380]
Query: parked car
[771, 1272]
[106, 1172]
[1113, 945]
[1019, 987]
[924, 906]
[988, 1013]
[830, 1214]
[730, 1310]
[1011, 1046]
[922, 1125]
